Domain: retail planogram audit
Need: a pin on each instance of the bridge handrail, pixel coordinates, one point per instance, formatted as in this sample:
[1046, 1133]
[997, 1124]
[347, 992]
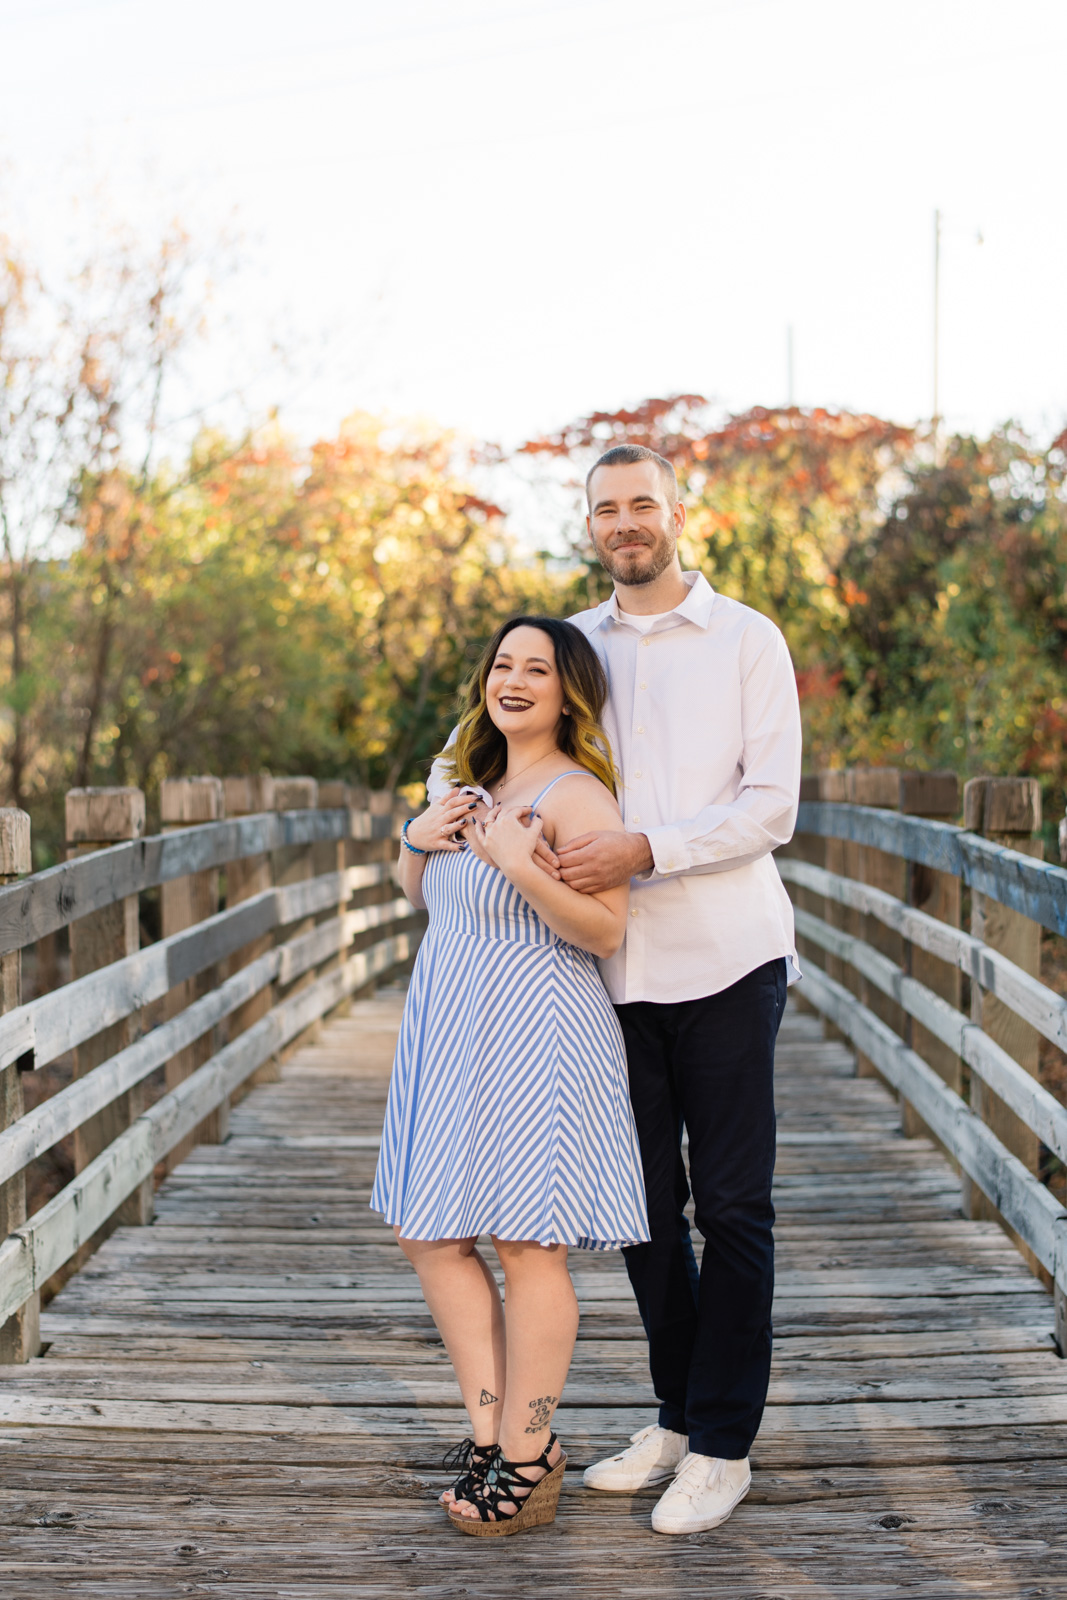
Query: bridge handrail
[1036, 889]
[1024, 1203]
[41, 1245]
[39, 1031]
[45, 1028]
[1041, 1111]
[52, 899]
[1026, 995]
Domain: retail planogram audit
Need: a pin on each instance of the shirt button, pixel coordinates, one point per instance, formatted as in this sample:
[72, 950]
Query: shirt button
[633, 913]
[637, 774]
[635, 818]
[640, 730]
[642, 685]
[646, 643]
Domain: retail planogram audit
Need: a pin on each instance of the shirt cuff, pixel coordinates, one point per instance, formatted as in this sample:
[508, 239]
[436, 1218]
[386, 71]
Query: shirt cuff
[670, 853]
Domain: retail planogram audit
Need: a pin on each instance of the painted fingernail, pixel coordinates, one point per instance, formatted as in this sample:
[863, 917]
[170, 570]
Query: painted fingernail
[473, 806]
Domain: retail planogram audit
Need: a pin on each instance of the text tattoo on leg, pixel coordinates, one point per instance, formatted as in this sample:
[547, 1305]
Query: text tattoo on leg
[542, 1412]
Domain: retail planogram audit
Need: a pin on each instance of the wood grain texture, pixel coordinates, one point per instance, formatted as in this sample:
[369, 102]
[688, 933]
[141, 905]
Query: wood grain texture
[54, 898]
[20, 1336]
[249, 1399]
[1037, 890]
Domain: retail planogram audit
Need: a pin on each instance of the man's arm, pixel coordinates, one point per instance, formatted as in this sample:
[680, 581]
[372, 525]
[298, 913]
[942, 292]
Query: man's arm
[763, 813]
[439, 783]
[719, 837]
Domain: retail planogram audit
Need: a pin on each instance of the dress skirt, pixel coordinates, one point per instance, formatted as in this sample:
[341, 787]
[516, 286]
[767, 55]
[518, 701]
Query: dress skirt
[509, 1110]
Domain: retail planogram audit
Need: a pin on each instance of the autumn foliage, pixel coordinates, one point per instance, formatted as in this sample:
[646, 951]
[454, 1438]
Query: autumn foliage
[253, 603]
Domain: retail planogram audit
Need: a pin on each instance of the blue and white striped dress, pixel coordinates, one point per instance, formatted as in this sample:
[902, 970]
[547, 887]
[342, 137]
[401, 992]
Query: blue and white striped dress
[509, 1111]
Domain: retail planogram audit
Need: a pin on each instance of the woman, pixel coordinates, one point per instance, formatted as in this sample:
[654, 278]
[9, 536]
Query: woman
[508, 1108]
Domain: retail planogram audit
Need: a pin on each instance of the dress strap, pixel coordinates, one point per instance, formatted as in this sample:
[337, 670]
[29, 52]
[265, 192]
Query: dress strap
[575, 772]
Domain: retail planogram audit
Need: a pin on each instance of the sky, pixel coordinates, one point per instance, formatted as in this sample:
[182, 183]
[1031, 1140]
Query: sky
[503, 214]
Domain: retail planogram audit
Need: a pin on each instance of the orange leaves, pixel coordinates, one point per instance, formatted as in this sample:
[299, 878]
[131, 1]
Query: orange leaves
[817, 683]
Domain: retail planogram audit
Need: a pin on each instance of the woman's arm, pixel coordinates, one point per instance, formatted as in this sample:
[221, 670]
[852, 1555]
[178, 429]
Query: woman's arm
[597, 922]
[432, 829]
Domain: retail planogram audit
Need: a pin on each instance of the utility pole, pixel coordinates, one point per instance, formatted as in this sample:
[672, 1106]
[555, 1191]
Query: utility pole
[789, 364]
[936, 418]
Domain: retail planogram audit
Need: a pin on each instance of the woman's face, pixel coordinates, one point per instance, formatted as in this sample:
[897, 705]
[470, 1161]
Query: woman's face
[524, 695]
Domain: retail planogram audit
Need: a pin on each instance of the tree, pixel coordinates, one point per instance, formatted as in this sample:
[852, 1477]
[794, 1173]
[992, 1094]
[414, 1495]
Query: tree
[83, 370]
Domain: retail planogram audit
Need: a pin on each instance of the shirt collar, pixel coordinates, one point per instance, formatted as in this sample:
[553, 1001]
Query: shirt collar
[696, 607]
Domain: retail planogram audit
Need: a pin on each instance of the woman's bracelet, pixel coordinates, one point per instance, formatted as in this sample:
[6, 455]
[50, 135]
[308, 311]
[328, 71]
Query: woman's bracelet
[405, 841]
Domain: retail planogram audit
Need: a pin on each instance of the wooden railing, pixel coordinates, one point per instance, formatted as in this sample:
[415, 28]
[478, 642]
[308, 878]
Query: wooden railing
[878, 884]
[270, 918]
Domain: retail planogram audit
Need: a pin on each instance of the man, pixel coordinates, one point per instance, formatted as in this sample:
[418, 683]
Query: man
[705, 729]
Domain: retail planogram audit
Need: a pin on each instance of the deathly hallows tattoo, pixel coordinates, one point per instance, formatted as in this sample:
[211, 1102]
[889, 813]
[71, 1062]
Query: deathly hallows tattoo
[487, 1398]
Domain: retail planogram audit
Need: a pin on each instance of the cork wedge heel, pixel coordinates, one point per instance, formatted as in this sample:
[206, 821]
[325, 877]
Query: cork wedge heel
[503, 1479]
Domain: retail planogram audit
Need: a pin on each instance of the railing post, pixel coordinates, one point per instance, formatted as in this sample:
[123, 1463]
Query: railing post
[20, 1335]
[246, 797]
[936, 796]
[245, 879]
[842, 859]
[295, 864]
[334, 855]
[880, 787]
[96, 818]
[810, 847]
[1007, 811]
[184, 802]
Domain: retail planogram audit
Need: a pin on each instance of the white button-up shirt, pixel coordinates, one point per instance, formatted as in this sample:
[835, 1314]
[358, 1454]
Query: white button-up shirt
[704, 725]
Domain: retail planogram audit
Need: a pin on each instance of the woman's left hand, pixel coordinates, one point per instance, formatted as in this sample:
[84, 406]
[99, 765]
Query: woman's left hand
[509, 836]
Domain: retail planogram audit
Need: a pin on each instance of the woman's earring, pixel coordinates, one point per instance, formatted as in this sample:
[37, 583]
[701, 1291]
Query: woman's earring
[566, 711]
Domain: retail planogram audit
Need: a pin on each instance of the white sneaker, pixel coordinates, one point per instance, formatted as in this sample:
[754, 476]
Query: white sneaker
[702, 1495]
[653, 1455]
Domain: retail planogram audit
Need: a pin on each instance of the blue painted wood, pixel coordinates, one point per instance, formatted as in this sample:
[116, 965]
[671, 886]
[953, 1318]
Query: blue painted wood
[1036, 889]
[49, 900]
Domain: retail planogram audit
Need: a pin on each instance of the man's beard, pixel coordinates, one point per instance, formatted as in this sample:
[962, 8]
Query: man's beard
[631, 571]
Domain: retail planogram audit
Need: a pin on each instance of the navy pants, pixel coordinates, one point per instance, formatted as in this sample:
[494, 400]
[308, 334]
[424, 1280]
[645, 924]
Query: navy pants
[708, 1064]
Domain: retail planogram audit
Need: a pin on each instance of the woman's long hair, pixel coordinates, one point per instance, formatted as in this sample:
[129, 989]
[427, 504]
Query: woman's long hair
[480, 752]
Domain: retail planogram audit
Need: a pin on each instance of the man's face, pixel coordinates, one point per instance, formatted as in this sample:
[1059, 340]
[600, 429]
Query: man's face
[633, 526]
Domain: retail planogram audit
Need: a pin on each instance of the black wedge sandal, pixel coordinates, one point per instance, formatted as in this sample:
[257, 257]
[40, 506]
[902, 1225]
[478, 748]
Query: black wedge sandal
[471, 1461]
[503, 1483]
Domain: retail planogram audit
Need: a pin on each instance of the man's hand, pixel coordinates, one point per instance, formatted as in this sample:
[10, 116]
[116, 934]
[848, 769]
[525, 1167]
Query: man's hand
[545, 857]
[599, 861]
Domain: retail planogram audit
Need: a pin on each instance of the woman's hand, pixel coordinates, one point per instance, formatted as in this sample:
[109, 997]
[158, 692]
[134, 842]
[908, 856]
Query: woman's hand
[433, 828]
[509, 836]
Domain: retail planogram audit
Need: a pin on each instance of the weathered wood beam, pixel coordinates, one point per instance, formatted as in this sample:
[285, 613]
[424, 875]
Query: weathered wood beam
[54, 898]
[20, 1333]
[1036, 889]
[1008, 812]
[41, 1245]
[245, 879]
[1026, 995]
[988, 1060]
[1028, 1207]
[59, 1021]
[58, 1116]
[97, 941]
[187, 902]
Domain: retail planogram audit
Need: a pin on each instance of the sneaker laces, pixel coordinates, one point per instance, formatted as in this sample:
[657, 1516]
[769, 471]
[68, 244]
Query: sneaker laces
[644, 1433]
[694, 1475]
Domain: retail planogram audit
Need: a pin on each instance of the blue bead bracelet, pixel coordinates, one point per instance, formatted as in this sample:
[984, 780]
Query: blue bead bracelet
[404, 839]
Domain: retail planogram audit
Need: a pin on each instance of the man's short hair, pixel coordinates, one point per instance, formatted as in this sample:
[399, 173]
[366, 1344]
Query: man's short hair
[626, 455]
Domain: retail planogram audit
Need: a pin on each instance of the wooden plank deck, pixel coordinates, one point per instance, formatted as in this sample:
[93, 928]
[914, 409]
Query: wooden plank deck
[248, 1398]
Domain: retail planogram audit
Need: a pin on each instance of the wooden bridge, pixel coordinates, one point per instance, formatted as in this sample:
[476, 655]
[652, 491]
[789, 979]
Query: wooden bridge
[237, 1389]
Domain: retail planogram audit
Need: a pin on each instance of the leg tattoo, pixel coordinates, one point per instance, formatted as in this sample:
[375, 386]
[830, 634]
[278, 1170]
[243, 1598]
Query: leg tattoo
[542, 1409]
